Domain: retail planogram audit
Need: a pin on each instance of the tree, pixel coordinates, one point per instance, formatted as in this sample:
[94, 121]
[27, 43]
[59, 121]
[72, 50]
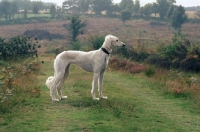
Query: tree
[84, 5]
[25, 13]
[76, 27]
[35, 9]
[101, 5]
[154, 9]
[136, 8]
[24, 4]
[53, 11]
[170, 11]
[114, 9]
[172, 2]
[125, 15]
[8, 9]
[68, 5]
[178, 17]
[163, 6]
[127, 5]
[5, 9]
[14, 9]
[146, 10]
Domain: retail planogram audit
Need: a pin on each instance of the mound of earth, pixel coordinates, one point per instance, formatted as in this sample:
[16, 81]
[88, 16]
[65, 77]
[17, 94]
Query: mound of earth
[42, 34]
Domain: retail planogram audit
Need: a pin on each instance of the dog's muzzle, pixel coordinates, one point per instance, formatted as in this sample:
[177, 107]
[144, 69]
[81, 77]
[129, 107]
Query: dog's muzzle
[123, 45]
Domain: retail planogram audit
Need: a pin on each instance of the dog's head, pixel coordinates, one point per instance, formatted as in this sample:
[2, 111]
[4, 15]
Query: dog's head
[114, 41]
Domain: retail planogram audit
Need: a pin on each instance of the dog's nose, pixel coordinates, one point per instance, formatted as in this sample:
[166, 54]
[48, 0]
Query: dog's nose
[123, 45]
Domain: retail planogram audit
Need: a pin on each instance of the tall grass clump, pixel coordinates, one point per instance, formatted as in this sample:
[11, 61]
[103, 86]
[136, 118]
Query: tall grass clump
[18, 81]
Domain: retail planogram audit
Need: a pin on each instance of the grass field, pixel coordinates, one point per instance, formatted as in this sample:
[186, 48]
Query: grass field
[133, 104]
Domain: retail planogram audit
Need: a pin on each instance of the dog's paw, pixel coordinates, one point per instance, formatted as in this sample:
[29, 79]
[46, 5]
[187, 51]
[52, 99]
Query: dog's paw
[95, 98]
[64, 97]
[104, 97]
[55, 100]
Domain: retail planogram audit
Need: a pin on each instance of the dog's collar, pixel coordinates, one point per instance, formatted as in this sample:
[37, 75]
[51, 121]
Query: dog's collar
[105, 51]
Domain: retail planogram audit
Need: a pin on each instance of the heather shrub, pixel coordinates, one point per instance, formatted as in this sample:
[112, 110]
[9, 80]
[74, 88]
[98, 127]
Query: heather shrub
[126, 65]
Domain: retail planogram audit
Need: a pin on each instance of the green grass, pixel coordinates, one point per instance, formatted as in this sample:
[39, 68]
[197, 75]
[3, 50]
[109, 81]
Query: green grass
[133, 104]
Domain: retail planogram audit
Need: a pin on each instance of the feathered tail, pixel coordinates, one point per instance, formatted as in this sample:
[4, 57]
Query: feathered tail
[49, 81]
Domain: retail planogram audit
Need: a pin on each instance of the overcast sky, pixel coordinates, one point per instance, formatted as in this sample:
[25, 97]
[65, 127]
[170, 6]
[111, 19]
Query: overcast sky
[185, 3]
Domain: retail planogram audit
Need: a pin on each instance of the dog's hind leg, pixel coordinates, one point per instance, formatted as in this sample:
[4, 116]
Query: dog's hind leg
[63, 80]
[58, 79]
[94, 85]
[101, 86]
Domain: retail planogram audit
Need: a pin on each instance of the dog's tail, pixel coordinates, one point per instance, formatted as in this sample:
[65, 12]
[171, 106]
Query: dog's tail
[49, 81]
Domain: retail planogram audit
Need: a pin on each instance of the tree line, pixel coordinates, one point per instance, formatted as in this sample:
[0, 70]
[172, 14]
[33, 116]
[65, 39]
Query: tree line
[162, 9]
[8, 8]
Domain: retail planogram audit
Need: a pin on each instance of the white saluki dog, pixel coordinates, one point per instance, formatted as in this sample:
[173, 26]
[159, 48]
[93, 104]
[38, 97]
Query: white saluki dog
[93, 61]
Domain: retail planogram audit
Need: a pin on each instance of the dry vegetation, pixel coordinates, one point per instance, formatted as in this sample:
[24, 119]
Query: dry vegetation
[130, 33]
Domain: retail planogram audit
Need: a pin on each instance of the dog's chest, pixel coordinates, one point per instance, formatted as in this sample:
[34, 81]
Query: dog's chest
[104, 64]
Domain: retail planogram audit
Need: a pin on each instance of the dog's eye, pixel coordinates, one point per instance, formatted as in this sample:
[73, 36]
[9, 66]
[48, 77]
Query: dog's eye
[117, 40]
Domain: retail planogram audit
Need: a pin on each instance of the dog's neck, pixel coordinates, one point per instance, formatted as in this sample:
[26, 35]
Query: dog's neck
[107, 48]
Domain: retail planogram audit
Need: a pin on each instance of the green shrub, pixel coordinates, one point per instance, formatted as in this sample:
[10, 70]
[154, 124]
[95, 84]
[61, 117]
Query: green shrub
[149, 72]
[138, 53]
[180, 54]
[76, 45]
[18, 47]
[96, 41]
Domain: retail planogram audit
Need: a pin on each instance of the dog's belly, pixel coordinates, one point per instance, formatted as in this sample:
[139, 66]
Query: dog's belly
[86, 67]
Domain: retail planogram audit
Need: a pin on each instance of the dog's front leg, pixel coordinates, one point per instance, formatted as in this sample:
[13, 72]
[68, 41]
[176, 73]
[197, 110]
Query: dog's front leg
[101, 87]
[94, 85]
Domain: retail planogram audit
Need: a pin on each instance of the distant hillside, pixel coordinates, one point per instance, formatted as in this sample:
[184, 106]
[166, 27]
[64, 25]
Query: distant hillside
[194, 8]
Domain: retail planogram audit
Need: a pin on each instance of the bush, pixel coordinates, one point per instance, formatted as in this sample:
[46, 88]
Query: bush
[18, 47]
[180, 54]
[139, 53]
[149, 72]
[126, 65]
[76, 45]
[96, 41]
